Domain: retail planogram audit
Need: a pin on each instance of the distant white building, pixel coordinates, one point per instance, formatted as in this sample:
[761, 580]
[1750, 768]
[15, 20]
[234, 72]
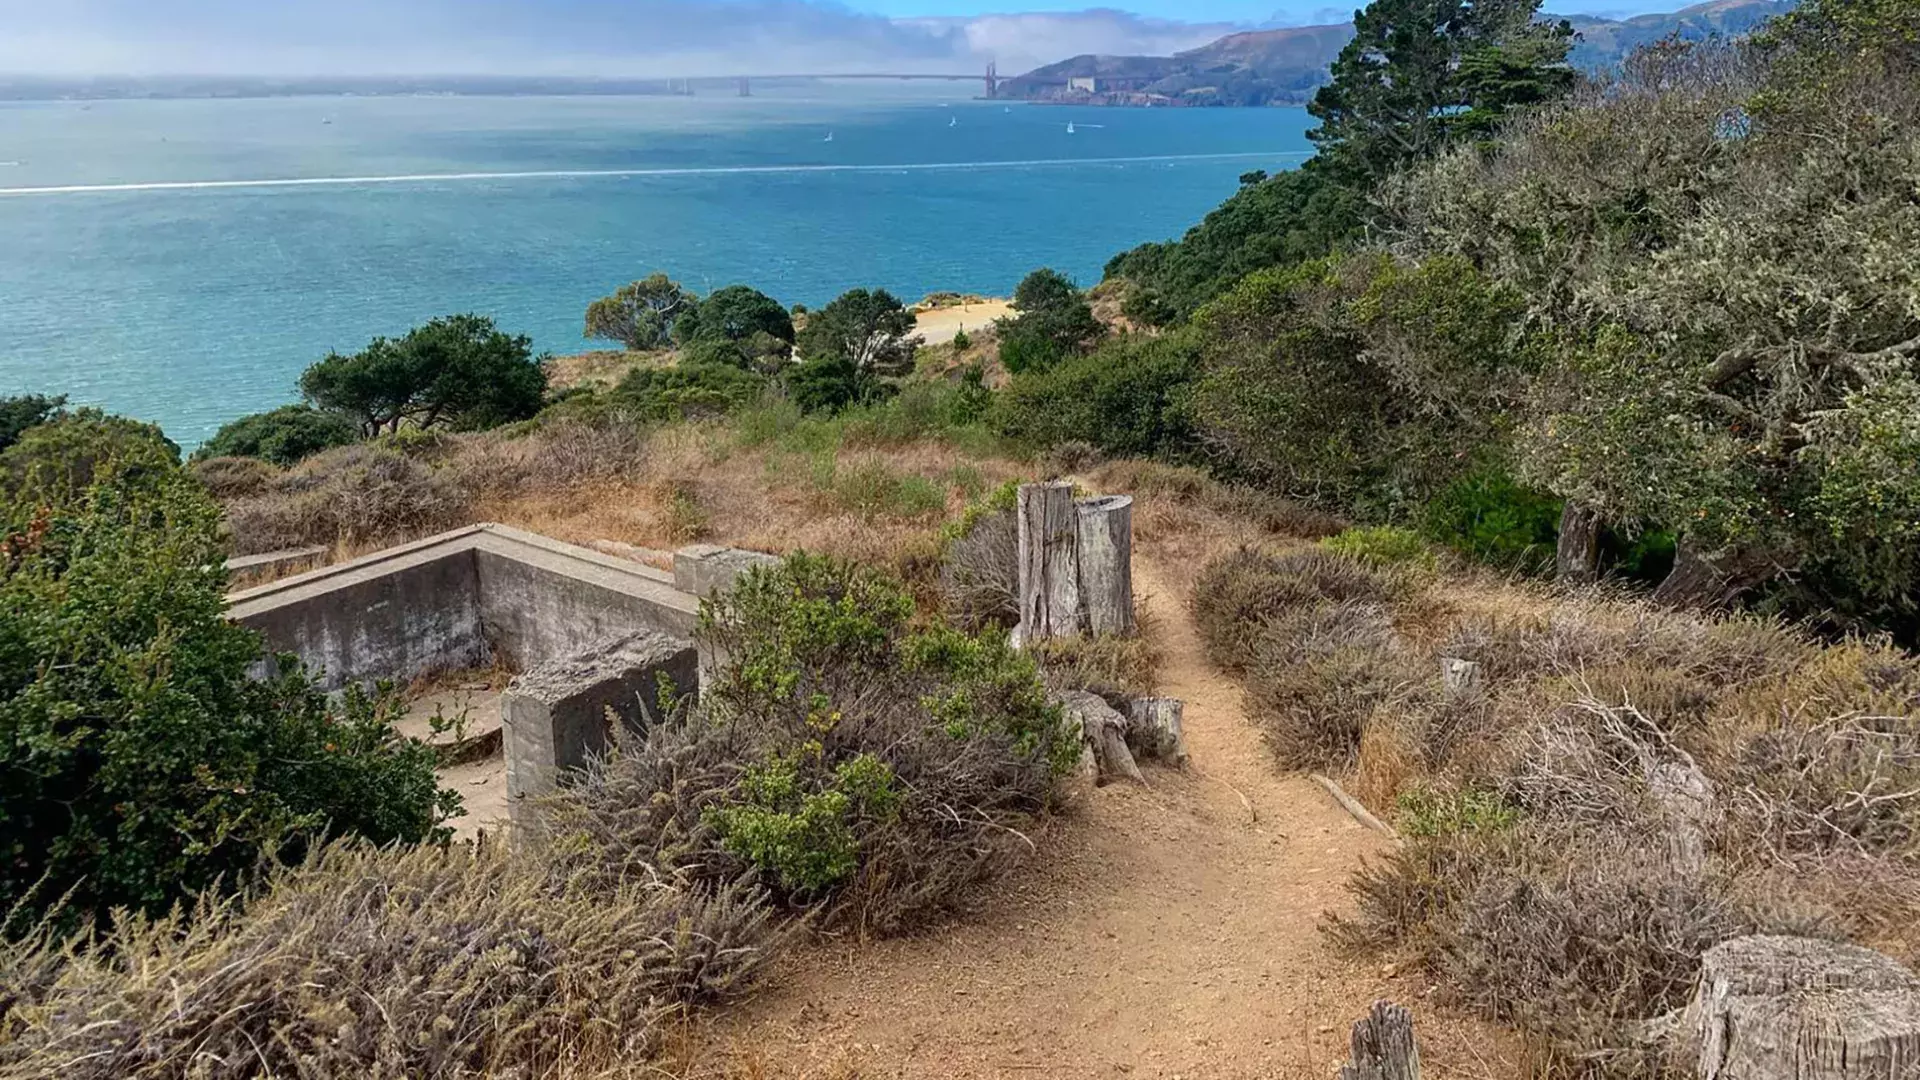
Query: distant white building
[1085, 84]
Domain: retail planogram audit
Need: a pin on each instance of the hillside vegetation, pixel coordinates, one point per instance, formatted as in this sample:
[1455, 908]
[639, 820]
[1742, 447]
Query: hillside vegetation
[1543, 460]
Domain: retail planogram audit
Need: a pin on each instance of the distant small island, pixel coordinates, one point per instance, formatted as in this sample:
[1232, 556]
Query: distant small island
[1286, 66]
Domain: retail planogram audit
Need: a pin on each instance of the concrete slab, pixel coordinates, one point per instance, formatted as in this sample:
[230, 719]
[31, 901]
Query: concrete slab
[559, 715]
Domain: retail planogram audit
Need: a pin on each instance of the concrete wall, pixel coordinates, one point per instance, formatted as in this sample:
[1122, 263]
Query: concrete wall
[391, 618]
[461, 599]
[534, 614]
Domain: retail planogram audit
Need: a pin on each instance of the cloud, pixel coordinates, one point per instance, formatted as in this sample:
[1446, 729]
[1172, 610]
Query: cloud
[549, 37]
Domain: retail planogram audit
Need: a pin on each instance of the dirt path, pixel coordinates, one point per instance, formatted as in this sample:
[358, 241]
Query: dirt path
[1165, 931]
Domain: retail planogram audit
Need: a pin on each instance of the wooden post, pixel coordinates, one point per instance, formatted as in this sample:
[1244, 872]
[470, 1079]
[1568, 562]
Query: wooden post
[1050, 604]
[1787, 1008]
[1106, 563]
[1383, 1046]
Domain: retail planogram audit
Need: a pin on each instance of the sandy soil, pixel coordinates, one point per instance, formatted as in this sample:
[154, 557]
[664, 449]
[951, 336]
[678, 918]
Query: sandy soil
[482, 784]
[940, 325]
[1164, 931]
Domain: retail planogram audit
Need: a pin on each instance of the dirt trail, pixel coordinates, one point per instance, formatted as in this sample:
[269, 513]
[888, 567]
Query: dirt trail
[1165, 931]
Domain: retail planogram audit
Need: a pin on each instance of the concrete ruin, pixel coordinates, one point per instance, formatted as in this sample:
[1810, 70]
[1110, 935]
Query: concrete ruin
[592, 633]
[562, 713]
[473, 597]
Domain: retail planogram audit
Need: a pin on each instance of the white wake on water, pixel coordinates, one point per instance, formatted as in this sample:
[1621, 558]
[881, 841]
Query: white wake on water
[590, 174]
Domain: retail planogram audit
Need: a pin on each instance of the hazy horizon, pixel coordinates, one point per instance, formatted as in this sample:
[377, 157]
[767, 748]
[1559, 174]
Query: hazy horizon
[611, 38]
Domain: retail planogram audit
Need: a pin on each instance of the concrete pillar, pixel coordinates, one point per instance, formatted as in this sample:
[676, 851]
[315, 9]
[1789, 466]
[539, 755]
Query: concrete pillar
[704, 569]
[561, 713]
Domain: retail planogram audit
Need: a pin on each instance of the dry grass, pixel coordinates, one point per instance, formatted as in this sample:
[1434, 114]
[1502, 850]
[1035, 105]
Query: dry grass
[417, 963]
[603, 367]
[1551, 880]
[849, 489]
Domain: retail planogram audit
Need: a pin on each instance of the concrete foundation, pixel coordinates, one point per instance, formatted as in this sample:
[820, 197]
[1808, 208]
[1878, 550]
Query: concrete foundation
[560, 714]
[704, 569]
[473, 597]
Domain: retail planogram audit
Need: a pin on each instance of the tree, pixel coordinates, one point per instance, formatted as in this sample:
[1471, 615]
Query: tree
[143, 761]
[1419, 73]
[283, 436]
[870, 329]
[1392, 379]
[640, 315]
[734, 313]
[462, 371]
[1054, 321]
[825, 383]
[24, 411]
[1722, 287]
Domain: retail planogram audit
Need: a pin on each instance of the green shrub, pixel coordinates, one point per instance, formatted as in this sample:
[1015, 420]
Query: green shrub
[1128, 398]
[1428, 812]
[1382, 545]
[1488, 517]
[144, 763]
[56, 462]
[804, 835]
[685, 391]
[282, 436]
[23, 411]
[826, 757]
[826, 384]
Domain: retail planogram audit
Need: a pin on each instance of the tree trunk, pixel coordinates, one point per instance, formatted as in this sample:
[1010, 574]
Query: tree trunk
[1156, 729]
[1050, 603]
[1383, 1046]
[1106, 563]
[1104, 737]
[1787, 1008]
[1576, 560]
[1697, 581]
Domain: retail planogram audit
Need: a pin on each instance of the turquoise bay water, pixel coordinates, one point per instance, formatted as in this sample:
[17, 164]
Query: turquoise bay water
[143, 268]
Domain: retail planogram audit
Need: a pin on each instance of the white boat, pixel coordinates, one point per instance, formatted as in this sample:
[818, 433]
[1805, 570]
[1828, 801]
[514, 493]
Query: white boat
[1069, 127]
[829, 137]
[953, 121]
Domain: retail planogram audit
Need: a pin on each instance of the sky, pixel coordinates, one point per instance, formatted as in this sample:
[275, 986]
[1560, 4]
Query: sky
[617, 37]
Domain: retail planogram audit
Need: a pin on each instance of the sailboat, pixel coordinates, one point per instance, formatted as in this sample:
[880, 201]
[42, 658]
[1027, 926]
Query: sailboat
[953, 121]
[829, 137]
[1069, 127]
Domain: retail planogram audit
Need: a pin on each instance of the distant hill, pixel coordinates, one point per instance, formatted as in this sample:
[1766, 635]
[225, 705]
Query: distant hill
[1285, 66]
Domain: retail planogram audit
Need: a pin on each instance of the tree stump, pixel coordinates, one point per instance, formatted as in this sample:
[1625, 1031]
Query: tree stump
[1383, 1046]
[1155, 729]
[1106, 563]
[1788, 1008]
[1104, 737]
[1050, 604]
[1458, 676]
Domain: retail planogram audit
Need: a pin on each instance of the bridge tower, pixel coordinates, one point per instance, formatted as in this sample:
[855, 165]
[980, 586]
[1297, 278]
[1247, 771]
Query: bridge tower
[746, 88]
[993, 81]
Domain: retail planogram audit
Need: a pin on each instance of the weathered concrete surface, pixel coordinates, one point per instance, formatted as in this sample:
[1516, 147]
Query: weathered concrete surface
[460, 599]
[396, 614]
[704, 569]
[560, 714]
[541, 600]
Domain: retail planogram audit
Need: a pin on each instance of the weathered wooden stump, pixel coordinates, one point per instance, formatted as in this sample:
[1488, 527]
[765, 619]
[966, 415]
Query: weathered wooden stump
[1106, 563]
[1788, 1008]
[1156, 729]
[1459, 676]
[1383, 1046]
[1103, 731]
[1050, 604]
